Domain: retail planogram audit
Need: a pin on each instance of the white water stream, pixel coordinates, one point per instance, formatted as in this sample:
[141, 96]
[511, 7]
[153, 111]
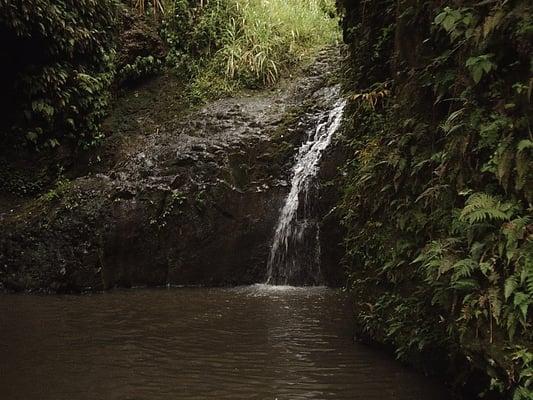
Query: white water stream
[293, 260]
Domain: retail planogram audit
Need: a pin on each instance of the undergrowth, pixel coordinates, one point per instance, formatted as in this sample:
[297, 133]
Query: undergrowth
[58, 66]
[438, 191]
[263, 40]
[222, 46]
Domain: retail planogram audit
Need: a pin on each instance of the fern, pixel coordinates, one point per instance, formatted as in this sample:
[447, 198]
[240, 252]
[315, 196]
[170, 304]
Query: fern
[453, 123]
[521, 301]
[465, 284]
[464, 268]
[505, 156]
[526, 278]
[510, 286]
[482, 207]
[495, 303]
[437, 259]
[514, 232]
[524, 145]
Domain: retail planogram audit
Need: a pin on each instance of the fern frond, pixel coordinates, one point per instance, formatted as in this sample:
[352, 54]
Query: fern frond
[524, 145]
[523, 166]
[464, 268]
[452, 122]
[482, 207]
[465, 284]
[510, 286]
[495, 303]
[526, 278]
[514, 231]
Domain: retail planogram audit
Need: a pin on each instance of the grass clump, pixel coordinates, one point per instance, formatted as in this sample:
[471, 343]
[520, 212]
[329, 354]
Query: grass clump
[221, 46]
[263, 40]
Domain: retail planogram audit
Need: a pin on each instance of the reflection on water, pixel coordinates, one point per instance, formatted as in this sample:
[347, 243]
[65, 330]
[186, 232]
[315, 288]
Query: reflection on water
[256, 342]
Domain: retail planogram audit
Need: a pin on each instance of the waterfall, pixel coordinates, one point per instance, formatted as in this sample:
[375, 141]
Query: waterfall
[295, 253]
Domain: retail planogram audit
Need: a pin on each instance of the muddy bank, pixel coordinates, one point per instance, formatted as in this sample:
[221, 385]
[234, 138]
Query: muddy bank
[182, 198]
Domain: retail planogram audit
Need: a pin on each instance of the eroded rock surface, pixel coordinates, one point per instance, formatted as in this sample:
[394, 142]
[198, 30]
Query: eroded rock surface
[191, 199]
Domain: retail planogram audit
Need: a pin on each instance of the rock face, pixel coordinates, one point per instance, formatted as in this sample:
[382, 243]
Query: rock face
[331, 230]
[186, 202]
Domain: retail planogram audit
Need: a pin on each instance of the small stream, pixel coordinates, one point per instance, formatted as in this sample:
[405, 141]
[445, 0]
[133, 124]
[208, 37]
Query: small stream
[255, 342]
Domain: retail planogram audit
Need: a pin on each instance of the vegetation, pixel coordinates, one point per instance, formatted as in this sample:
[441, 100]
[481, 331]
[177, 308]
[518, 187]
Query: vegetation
[226, 45]
[438, 193]
[58, 68]
[62, 55]
[265, 39]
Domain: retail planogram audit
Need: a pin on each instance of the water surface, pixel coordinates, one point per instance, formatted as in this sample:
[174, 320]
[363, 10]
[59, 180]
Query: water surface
[254, 342]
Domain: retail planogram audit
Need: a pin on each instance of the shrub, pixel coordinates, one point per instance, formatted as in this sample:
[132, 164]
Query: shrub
[230, 44]
[60, 58]
[58, 66]
[270, 37]
[439, 191]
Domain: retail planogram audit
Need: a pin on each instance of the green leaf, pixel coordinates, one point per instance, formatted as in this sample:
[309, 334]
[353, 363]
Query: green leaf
[510, 285]
[480, 65]
[482, 207]
[466, 284]
[31, 136]
[440, 17]
[524, 144]
[448, 23]
[521, 300]
[477, 74]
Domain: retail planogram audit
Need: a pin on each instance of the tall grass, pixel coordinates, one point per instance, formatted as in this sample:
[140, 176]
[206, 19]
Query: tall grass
[264, 39]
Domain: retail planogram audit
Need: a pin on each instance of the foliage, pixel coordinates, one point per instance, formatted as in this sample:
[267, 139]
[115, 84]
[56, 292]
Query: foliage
[438, 193]
[22, 182]
[194, 34]
[59, 66]
[373, 97]
[61, 61]
[227, 44]
[56, 193]
[140, 68]
[480, 65]
[268, 38]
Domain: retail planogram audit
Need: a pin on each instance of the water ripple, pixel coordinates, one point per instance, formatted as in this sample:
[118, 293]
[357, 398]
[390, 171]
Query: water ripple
[255, 342]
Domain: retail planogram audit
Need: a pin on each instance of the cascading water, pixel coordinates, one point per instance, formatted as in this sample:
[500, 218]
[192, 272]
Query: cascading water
[295, 253]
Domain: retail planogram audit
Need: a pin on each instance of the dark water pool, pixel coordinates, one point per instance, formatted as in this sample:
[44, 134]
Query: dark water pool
[254, 342]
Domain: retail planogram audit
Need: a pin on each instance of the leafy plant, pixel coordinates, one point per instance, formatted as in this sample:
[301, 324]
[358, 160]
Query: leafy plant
[436, 200]
[140, 68]
[261, 41]
[456, 22]
[481, 207]
[480, 65]
[372, 98]
[58, 89]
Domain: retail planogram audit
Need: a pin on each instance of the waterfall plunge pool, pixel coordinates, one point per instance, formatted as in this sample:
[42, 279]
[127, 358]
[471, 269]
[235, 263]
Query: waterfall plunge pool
[255, 342]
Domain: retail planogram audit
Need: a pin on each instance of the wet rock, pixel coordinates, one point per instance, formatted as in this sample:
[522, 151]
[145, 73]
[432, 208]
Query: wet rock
[196, 203]
[178, 181]
[182, 160]
[198, 147]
